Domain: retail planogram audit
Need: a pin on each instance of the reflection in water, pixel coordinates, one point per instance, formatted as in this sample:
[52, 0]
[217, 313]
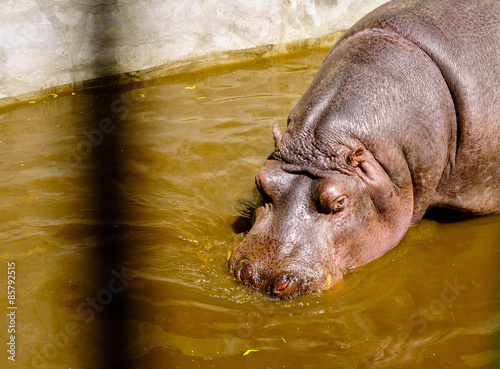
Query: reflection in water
[133, 269]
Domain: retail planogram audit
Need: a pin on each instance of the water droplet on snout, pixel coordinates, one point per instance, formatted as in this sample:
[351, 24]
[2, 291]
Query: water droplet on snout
[328, 282]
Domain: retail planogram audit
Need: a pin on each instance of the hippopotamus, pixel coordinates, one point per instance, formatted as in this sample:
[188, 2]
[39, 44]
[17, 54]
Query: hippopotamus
[402, 116]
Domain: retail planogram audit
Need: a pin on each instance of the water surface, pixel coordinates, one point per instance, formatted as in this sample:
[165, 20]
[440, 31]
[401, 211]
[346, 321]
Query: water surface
[117, 209]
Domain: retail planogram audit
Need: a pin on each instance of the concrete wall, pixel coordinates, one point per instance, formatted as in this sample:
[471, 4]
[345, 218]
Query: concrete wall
[47, 43]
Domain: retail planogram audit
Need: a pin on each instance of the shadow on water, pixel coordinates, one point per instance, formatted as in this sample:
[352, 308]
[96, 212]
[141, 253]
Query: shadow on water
[243, 221]
[109, 215]
[442, 215]
[103, 172]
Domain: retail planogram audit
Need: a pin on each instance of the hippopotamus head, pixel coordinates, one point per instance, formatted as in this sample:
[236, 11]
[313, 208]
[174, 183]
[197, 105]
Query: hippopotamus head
[318, 216]
[345, 182]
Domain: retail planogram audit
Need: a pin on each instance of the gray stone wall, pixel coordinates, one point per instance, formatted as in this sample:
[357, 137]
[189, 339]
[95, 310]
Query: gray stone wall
[47, 43]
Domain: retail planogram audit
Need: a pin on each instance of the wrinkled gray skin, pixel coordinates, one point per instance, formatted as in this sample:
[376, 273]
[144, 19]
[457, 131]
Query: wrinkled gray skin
[402, 116]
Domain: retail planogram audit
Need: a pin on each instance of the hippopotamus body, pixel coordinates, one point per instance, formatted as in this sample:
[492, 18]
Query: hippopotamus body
[402, 116]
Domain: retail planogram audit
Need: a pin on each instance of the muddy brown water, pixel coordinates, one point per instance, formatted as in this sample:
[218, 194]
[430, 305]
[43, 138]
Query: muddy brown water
[117, 209]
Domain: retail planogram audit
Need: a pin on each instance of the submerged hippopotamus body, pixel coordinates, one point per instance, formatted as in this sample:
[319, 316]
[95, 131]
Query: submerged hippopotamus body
[402, 116]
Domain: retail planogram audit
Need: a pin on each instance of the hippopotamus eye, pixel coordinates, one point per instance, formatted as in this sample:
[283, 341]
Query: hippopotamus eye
[339, 203]
[331, 202]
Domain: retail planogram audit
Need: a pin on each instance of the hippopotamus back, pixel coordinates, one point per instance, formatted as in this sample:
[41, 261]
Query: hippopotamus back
[463, 38]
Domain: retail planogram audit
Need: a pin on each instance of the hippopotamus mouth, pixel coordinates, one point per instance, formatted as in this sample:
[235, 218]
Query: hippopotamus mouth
[284, 284]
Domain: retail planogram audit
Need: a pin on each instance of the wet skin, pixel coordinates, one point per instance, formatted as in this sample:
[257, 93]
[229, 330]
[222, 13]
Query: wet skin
[402, 116]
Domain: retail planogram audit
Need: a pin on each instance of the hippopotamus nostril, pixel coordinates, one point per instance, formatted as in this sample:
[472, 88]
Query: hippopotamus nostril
[244, 272]
[285, 285]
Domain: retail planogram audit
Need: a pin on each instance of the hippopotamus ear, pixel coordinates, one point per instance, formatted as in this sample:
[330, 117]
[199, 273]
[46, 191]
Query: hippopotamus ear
[278, 136]
[356, 157]
[373, 174]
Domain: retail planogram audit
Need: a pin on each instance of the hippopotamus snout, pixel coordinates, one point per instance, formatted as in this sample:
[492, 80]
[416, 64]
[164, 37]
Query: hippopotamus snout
[282, 268]
[287, 252]
[283, 285]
